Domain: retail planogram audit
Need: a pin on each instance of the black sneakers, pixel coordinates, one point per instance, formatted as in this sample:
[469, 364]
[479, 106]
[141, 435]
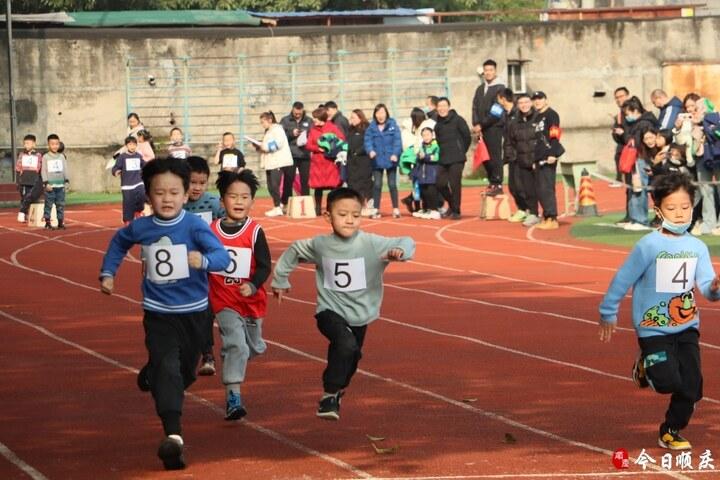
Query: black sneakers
[171, 452]
[329, 408]
[234, 409]
[207, 366]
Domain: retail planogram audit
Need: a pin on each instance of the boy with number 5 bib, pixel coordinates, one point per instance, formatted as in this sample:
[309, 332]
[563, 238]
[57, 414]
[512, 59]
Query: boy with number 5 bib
[178, 250]
[237, 294]
[663, 270]
[349, 280]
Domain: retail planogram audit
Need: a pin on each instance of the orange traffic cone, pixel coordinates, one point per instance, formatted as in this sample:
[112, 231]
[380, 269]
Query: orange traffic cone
[587, 206]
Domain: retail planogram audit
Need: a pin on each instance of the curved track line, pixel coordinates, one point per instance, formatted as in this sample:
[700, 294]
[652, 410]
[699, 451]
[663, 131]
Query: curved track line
[28, 470]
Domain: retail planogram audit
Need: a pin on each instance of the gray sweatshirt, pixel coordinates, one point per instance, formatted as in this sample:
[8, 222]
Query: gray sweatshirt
[55, 170]
[348, 274]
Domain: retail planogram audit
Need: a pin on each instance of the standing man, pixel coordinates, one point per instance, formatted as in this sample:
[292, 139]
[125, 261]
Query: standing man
[486, 116]
[669, 108]
[294, 125]
[453, 137]
[618, 132]
[506, 100]
[430, 109]
[547, 151]
[337, 118]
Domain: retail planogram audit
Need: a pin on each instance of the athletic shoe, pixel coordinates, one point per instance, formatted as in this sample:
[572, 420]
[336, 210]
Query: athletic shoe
[61, 226]
[432, 215]
[493, 190]
[455, 216]
[207, 366]
[375, 215]
[234, 409]
[636, 227]
[171, 452]
[420, 213]
[49, 226]
[329, 408]
[443, 211]
[21, 217]
[408, 202]
[697, 230]
[616, 184]
[638, 373]
[531, 220]
[672, 440]
[396, 213]
[518, 216]
[549, 224]
[368, 212]
[274, 212]
[143, 382]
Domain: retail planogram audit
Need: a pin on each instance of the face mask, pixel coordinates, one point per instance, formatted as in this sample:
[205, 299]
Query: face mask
[676, 228]
[631, 119]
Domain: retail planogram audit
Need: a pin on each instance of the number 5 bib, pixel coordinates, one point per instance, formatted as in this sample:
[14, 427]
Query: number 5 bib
[674, 275]
[346, 275]
[166, 263]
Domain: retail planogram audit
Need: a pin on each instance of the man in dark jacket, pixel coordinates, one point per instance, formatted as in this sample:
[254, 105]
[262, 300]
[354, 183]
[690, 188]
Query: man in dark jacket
[453, 136]
[486, 115]
[547, 151]
[506, 99]
[430, 109]
[620, 126]
[520, 150]
[294, 125]
[336, 117]
[669, 108]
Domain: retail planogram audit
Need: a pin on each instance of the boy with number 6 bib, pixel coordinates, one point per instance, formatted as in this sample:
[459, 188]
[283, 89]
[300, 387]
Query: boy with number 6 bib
[178, 250]
[349, 281]
[663, 270]
[237, 294]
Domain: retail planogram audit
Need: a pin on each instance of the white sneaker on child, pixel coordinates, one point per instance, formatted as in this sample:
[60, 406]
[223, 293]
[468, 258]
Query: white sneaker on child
[274, 212]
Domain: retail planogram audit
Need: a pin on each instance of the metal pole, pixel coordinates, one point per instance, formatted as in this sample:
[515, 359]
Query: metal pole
[11, 87]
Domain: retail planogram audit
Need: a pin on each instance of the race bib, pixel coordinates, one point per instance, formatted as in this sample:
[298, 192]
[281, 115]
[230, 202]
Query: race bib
[230, 160]
[166, 262]
[239, 263]
[674, 275]
[181, 154]
[206, 216]
[29, 161]
[347, 275]
[132, 164]
[55, 166]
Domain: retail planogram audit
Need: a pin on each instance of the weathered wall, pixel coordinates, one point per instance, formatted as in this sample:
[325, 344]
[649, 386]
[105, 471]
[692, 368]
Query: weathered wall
[72, 82]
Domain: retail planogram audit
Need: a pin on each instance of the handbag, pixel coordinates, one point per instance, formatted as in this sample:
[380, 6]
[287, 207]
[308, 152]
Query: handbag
[628, 157]
[481, 154]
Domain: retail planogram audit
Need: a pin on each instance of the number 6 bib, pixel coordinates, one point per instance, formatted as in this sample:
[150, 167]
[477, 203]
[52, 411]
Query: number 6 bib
[346, 275]
[167, 262]
[674, 275]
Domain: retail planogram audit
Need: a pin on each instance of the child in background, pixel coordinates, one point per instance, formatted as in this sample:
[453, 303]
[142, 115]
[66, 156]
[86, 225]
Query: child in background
[145, 145]
[178, 250]
[227, 155]
[55, 179]
[349, 281]
[663, 270]
[177, 148]
[129, 166]
[28, 168]
[425, 173]
[237, 294]
[206, 206]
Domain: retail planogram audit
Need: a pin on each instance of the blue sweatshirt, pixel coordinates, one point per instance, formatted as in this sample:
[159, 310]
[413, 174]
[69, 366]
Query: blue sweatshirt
[169, 285]
[663, 272]
[130, 167]
[206, 207]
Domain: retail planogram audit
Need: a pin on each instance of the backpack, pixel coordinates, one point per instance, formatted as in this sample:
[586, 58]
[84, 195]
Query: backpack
[331, 145]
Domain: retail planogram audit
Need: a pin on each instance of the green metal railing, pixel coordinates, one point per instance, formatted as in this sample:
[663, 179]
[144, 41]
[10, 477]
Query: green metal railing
[207, 96]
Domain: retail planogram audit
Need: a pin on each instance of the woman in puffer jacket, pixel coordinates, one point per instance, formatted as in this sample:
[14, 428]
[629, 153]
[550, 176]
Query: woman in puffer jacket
[383, 143]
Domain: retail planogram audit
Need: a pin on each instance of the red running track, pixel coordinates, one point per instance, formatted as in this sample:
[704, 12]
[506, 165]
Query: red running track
[490, 331]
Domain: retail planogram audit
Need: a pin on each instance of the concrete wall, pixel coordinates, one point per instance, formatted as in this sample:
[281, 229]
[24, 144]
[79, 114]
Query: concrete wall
[72, 82]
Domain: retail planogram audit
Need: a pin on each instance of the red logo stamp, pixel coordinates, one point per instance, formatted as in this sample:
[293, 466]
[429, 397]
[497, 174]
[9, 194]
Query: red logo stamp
[621, 459]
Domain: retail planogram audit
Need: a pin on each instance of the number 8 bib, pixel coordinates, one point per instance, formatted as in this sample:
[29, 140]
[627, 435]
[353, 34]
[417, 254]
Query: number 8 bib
[674, 275]
[166, 263]
[346, 275]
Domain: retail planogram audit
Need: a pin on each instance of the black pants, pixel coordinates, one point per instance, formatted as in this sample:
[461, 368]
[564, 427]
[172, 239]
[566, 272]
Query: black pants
[287, 174]
[429, 195]
[303, 168]
[133, 202]
[210, 332]
[545, 189]
[618, 174]
[449, 184]
[29, 194]
[515, 184]
[318, 194]
[173, 342]
[344, 351]
[672, 365]
[494, 166]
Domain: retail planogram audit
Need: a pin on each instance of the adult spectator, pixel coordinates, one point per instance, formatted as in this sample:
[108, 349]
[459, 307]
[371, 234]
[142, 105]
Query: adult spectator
[383, 143]
[520, 150]
[276, 159]
[359, 164]
[134, 125]
[486, 115]
[669, 108]
[618, 132]
[507, 100]
[296, 125]
[547, 152]
[430, 109]
[453, 136]
[324, 172]
[337, 118]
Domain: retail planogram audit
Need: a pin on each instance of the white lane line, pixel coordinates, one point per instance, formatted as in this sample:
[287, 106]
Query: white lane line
[11, 457]
[198, 399]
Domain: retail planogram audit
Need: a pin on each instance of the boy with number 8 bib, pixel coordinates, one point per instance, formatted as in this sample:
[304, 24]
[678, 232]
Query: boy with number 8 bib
[663, 270]
[178, 250]
[349, 281]
[237, 294]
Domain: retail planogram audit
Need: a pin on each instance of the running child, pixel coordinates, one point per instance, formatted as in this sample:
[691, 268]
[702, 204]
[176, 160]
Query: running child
[663, 270]
[178, 250]
[349, 280]
[129, 166]
[237, 294]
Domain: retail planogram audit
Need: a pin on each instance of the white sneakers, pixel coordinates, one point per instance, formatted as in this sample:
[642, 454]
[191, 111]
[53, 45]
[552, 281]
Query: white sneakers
[274, 212]
[427, 214]
[396, 213]
[21, 217]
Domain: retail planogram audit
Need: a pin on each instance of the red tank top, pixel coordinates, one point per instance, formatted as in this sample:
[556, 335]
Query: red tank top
[224, 286]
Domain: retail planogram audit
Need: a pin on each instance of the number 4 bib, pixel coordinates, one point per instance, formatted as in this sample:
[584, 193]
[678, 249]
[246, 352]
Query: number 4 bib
[674, 275]
[345, 275]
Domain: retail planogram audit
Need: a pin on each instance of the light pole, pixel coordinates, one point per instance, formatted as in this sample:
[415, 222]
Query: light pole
[11, 87]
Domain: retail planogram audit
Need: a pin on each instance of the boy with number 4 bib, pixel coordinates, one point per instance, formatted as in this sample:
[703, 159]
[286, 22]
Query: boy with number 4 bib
[663, 270]
[178, 250]
[237, 294]
[349, 280]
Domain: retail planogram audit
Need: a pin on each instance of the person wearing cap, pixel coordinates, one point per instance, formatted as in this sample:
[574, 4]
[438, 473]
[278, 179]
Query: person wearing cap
[486, 119]
[547, 151]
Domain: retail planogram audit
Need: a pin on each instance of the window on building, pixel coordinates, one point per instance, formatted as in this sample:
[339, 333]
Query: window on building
[516, 76]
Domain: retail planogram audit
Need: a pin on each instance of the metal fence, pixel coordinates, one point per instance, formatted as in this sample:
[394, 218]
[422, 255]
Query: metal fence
[207, 96]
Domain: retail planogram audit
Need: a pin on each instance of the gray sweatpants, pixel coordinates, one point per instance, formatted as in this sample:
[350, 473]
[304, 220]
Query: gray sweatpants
[241, 340]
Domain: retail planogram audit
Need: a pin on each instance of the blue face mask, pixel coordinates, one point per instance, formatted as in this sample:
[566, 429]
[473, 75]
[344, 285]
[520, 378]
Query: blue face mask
[631, 119]
[676, 228]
